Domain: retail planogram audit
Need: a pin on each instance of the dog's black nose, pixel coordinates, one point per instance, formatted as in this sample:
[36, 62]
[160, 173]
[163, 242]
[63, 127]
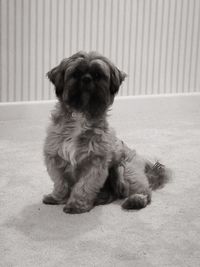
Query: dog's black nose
[87, 78]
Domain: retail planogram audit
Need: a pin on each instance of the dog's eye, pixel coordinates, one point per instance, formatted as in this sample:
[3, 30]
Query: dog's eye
[96, 75]
[77, 74]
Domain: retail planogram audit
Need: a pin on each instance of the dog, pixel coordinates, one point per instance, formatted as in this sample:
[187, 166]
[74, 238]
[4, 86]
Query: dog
[87, 163]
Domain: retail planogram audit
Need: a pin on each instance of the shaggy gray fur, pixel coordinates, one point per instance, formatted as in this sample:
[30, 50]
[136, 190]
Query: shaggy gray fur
[88, 164]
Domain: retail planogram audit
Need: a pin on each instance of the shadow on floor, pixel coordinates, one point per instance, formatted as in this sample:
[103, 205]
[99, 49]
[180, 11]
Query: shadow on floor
[43, 222]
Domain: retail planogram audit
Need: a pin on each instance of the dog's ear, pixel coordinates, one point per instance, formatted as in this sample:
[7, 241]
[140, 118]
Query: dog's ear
[116, 78]
[56, 76]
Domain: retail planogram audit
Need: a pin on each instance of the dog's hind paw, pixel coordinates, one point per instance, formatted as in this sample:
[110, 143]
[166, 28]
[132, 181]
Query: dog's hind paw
[136, 201]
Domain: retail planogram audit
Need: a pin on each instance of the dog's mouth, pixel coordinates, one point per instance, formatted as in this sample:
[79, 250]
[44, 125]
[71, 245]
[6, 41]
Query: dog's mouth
[85, 101]
[78, 101]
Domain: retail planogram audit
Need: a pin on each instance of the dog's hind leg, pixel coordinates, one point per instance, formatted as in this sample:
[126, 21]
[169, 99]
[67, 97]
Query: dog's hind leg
[61, 190]
[138, 178]
[133, 184]
[139, 195]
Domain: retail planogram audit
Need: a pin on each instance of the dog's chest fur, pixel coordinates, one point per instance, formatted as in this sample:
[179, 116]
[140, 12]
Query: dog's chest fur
[68, 146]
[74, 139]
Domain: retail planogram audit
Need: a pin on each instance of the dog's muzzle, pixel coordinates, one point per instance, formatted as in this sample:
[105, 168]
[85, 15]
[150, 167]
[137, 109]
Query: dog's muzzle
[86, 79]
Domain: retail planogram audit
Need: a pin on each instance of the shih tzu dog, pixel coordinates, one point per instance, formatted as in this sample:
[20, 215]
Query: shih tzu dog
[87, 163]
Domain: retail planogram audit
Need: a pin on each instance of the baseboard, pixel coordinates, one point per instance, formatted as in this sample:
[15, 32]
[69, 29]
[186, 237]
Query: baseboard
[40, 110]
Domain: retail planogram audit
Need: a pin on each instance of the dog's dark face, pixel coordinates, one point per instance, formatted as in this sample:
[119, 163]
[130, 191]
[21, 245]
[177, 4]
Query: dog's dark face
[86, 82]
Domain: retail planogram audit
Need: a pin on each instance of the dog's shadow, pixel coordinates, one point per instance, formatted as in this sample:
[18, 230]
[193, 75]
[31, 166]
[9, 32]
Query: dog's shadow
[44, 222]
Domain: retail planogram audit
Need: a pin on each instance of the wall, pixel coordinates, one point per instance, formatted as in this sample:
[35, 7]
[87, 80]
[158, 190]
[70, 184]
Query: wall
[155, 41]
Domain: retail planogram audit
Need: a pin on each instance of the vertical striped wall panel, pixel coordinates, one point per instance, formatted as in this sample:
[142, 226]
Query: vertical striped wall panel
[156, 42]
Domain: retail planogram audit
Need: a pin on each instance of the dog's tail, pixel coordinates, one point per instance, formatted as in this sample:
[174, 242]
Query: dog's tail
[157, 174]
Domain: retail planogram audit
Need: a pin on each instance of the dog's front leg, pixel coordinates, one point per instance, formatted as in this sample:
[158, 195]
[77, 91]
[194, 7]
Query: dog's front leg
[84, 193]
[61, 189]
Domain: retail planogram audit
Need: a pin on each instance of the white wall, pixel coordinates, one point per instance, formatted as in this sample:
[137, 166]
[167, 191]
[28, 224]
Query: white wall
[155, 41]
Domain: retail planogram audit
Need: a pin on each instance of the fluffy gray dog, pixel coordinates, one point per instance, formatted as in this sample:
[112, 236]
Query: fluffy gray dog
[88, 164]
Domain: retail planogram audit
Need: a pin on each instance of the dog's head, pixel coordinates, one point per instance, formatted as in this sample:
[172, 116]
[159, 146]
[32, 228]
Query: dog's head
[86, 82]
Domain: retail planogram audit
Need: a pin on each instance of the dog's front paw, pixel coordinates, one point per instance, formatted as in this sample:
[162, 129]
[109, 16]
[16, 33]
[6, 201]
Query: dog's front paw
[51, 200]
[76, 207]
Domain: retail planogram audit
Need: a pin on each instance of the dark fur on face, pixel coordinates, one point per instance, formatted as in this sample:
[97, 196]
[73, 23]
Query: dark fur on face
[88, 164]
[86, 82]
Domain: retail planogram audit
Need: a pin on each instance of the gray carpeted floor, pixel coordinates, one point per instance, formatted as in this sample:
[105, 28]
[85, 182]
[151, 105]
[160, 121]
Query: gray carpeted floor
[166, 233]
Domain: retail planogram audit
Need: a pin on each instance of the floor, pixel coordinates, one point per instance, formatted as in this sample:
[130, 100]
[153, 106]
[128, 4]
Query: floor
[166, 233]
